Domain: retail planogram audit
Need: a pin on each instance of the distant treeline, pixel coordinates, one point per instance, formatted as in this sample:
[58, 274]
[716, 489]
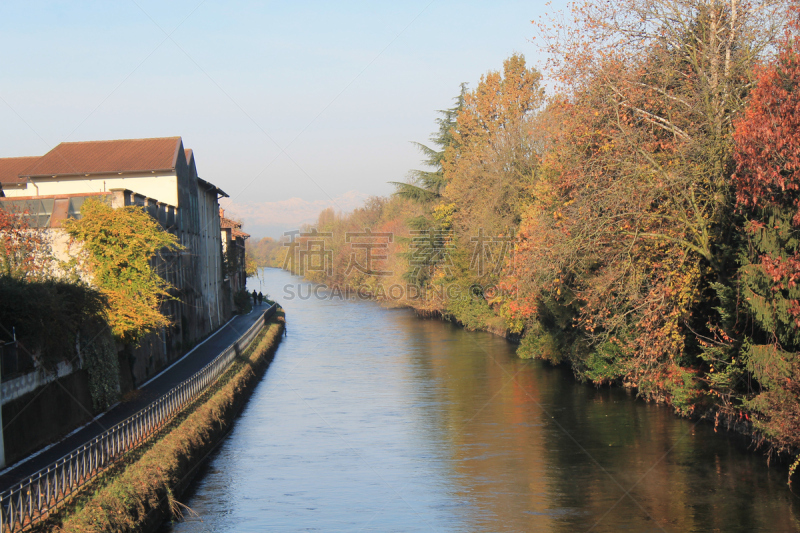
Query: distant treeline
[265, 252]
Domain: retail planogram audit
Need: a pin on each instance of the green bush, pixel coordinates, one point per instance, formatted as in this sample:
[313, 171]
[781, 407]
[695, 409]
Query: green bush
[51, 319]
[606, 364]
[243, 302]
[471, 310]
[539, 343]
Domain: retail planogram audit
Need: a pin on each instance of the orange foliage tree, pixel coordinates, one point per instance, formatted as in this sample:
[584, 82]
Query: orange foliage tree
[488, 166]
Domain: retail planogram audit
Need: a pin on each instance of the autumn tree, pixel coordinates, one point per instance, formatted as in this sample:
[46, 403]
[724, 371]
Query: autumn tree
[489, 164]
[665, 79]
[486, 168]
[261, 250]
[767, 184]
[631, 226]
[24, 250]
[118, 246]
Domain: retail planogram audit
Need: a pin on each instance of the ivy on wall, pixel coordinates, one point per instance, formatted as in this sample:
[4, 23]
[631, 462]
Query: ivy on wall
[100, 360]
[46, 315]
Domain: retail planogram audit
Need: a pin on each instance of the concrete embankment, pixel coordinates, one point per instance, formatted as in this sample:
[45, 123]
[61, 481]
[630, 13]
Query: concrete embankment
[140, 494]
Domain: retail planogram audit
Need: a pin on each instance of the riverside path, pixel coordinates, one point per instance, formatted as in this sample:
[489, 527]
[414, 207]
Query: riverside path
[156, 387]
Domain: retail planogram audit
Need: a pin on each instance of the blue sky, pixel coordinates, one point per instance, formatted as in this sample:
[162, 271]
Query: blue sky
[290, 107]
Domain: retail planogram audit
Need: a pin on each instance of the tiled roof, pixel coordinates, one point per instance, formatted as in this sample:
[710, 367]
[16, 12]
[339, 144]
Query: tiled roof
[91, 157]
[238, 233]
[226, 223]
[10, 168]
[188, 152]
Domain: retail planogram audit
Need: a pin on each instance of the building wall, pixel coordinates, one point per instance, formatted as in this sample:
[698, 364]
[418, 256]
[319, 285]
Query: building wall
[161, 186]
[195, 273]
[236, 280]
[241, 273]
[194, 319]
[211, 248]
[46, 414]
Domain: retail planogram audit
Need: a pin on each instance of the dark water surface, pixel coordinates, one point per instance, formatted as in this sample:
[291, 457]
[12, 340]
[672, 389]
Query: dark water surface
[373, 420]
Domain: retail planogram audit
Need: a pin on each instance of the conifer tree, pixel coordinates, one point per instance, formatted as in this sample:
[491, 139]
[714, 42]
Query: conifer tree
[767, 182]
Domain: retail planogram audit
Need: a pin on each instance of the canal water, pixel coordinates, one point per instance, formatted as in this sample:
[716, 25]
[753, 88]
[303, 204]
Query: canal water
[371, 419]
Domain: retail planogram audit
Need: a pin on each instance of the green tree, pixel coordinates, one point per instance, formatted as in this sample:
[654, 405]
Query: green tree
[425, 189]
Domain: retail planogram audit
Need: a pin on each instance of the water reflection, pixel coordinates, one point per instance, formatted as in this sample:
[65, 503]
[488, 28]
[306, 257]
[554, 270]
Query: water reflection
[373, 420]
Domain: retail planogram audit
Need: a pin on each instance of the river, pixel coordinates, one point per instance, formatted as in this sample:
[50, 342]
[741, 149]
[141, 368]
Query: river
[371, 419]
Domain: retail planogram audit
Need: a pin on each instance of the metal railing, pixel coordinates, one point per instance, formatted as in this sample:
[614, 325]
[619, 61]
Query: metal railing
[34, 498]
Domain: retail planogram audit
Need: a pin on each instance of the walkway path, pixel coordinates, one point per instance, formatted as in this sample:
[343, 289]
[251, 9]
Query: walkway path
[151, 391]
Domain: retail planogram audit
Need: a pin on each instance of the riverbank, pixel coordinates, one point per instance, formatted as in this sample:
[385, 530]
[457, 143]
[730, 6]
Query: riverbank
[739, 423]
[138, 494]
[179, 371]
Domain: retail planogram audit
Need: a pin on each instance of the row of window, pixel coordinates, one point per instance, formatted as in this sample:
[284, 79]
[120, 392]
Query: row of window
[39, 213]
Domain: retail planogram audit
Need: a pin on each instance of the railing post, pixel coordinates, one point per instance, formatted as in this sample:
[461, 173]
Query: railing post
[11, 514]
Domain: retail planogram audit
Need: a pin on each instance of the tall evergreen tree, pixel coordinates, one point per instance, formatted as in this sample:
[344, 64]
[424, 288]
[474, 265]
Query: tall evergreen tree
[427, 185]
[425, 188]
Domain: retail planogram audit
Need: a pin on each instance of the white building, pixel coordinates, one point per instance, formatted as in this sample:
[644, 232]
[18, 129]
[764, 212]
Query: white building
[160, 175]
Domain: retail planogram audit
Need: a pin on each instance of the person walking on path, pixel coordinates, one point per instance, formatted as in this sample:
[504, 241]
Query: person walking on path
[260, 298]
[255, 297]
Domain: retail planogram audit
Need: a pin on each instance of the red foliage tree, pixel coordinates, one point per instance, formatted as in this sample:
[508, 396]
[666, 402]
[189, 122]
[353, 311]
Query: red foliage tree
[768, 138]
[24, 251]
[767, 154]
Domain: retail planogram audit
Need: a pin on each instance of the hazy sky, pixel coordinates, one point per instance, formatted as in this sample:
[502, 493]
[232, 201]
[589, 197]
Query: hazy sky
[289, 106]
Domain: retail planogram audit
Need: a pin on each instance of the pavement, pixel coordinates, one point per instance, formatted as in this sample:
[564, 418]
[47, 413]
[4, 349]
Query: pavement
[153, 389]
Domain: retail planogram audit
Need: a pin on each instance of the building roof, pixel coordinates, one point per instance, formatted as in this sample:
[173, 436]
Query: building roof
[188, 152]
[10, 168]
[238, 233]
[96, 157]
[212, 187]
[226, 223]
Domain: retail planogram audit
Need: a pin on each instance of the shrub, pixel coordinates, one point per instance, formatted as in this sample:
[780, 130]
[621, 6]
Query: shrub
[243, 302]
